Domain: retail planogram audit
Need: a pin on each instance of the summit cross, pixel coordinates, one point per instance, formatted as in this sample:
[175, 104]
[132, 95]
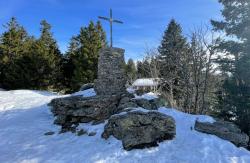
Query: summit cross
[111, 21]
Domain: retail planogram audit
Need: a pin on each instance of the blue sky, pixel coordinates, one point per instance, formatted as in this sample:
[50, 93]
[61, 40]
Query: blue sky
[144, 20]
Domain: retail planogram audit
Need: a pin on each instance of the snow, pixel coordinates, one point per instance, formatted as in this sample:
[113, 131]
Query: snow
[85, 93]
[127, 110]
[130, 90]
[146, 82]
[147, 96]
[25, 117]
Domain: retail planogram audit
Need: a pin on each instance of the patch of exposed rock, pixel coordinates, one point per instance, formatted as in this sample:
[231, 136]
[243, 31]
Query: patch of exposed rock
[144, 103]
[139, 130]
[128, 102]
[78, 109]
[225, 130]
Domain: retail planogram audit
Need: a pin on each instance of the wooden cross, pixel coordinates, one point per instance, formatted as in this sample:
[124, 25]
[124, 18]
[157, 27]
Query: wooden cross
[111, 21]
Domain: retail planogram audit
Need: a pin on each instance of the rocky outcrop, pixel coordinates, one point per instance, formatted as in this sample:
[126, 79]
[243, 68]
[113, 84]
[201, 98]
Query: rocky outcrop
[224, 130]
[111, 73]
[139, 130]
[78, 109]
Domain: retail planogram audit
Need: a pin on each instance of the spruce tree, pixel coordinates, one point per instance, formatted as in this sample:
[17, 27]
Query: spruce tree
[172, 52]
[234, 98]
[83, 53]
[11, 47]
[143, 69]
[68, 65]
[140, 71]
[130, 71]
[47, 47]
[12, 40]
[27, 70]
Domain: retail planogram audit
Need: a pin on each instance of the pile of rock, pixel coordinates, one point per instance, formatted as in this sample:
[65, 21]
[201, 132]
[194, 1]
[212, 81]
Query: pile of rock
[70, 111]
[135, 129]
[225, 130]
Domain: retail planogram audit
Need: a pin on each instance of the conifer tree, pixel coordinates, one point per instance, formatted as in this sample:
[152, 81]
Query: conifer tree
[130, 70]
[11, 47]
[12, 40]
[68, 65]
[234, 98]
[172, 52]
[27, 70]
[83, 53]
[143, 69]
[48, 48]
[139, 69]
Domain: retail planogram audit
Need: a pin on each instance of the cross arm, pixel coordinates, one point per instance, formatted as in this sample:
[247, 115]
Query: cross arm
[101, 17]
[118, 21]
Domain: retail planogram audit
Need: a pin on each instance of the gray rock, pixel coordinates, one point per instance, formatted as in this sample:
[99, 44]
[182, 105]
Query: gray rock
[81, 132]
[78, 109]
[158, 102]
[92, 134]
[111, 73]
[87, 86]
[60, 119]
[127, 105]
[144, 103]
[139, 130]
[127, 94]
[124, 100]
[49, 133]
[96, 122]
[224, 130]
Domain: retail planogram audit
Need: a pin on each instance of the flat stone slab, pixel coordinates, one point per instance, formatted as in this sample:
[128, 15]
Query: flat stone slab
[139, 129]
[225, 130]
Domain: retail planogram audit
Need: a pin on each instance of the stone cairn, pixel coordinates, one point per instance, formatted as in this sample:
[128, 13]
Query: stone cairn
[111, 74]
[136, 129]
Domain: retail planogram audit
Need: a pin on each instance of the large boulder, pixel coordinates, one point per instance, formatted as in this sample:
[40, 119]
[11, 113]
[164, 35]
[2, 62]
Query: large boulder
[225, 130]
[78, 109]
[139, 129]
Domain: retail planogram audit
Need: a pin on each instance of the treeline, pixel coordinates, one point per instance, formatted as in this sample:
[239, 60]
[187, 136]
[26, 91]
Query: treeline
[207, 74]
[27, 62]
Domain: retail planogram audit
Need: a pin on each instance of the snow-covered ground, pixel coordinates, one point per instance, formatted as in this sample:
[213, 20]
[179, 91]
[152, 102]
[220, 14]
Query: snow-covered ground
[25, 117]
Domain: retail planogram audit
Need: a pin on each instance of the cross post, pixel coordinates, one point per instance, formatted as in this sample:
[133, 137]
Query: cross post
[111, 21]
